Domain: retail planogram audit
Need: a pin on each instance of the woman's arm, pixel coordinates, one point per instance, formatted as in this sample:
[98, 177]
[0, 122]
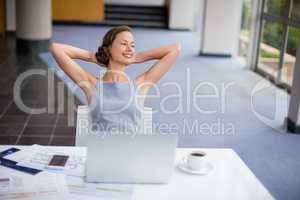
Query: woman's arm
[76, 53]
[64, 55]
[166, 56]
[156, 53]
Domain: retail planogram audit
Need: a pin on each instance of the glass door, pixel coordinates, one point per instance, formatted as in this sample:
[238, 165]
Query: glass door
[246, 24]
[289, 61]
[271, 41]
[278, 40]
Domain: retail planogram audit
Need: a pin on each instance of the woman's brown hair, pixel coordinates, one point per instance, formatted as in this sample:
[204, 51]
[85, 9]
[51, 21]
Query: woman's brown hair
[103, 54]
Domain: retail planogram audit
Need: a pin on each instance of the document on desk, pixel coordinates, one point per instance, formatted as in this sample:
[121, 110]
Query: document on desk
[16, 186]
[24, 153]
[77, 185]
[38, 157]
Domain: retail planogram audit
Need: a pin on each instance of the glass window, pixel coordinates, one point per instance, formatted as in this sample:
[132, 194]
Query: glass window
[269, 51]
[296, 10]
[277, 7]
[290, 55]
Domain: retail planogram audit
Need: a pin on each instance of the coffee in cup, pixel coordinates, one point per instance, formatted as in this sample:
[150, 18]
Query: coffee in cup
[196, 160]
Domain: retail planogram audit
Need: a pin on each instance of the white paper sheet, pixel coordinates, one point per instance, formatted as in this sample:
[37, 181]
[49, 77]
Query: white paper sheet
[22, 186]
[78, 186]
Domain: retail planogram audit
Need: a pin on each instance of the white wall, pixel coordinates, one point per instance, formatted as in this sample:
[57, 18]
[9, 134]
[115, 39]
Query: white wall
[181, 14]
[10, 15]
[137, 2]
[222, 23]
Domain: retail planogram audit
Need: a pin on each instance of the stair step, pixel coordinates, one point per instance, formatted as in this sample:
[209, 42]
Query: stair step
[141, 17]
[136, 23]
[135, 9]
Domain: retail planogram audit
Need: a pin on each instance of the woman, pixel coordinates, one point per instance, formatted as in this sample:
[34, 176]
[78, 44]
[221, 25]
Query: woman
[115, 54]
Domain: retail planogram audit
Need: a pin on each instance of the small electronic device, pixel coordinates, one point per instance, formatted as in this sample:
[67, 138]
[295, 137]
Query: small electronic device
[58, 162]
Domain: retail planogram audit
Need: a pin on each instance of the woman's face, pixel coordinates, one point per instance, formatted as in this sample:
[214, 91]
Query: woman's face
[122, 48]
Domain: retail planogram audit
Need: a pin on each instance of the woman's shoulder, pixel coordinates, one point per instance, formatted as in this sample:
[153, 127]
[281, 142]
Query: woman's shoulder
[142, 85]
[139, 80]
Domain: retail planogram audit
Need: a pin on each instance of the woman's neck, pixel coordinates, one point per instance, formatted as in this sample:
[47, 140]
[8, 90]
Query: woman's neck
[115, 76]
[115, 73]
[116, 66]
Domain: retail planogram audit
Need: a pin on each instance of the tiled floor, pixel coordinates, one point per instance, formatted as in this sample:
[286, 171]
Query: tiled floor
[21, 127]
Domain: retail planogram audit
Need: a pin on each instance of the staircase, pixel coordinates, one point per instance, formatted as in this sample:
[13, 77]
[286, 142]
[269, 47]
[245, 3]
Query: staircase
[138, 16]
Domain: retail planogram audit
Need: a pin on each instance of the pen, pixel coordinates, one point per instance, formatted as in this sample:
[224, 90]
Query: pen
[110, 189]
[100, 188]
[4, 179]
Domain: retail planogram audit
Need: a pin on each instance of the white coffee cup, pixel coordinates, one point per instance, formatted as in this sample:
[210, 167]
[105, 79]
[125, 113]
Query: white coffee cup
[196, 160]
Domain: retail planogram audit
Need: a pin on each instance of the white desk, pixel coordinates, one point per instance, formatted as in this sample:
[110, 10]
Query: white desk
[230, 179]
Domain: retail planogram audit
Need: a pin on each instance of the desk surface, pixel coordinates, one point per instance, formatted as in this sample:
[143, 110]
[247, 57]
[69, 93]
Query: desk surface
[230, 179]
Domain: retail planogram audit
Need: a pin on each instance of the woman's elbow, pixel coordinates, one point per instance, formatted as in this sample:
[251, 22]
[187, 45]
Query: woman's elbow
[177, 47]
[54, 47]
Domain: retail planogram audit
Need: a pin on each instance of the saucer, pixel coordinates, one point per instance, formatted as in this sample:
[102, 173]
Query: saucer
[203, 171]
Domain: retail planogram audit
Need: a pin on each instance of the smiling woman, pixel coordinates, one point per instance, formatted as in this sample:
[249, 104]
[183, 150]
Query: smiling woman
[116, 53]
[109, 94]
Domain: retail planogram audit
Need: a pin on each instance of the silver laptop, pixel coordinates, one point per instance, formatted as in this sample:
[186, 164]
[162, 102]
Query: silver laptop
[126, 159]
[144, 158]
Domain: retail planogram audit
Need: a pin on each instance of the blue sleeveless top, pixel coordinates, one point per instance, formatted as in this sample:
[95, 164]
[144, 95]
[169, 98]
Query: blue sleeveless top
[114, 107]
